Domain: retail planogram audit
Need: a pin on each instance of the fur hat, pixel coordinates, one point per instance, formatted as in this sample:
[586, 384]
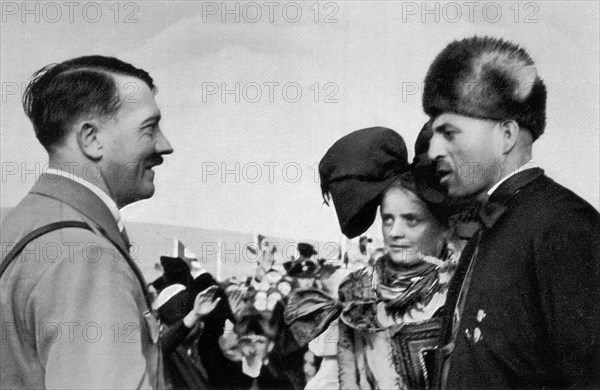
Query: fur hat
[486, 78]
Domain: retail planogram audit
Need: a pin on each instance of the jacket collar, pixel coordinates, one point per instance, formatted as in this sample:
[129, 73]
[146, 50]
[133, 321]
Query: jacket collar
[496, 206]
[81, 199]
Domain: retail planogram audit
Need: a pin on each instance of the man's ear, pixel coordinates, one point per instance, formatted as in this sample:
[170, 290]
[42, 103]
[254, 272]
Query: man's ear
[88, 140]
[271, 346]
[510, 132]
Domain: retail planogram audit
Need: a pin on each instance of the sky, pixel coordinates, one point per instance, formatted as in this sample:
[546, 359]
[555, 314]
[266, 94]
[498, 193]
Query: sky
[254, 93]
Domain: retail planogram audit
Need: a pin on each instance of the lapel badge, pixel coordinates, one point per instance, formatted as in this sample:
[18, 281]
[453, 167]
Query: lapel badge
[481, 315]
[477, 334]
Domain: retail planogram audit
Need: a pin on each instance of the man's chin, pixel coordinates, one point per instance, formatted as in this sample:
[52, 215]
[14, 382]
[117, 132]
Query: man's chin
[147, 192]
[451, 187]
[141, 194]
[458, 191]
[454, 193]
[464, 192]
[148, 188]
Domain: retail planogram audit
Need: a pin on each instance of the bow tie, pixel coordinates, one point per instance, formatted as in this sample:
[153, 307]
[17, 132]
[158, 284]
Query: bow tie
[486, 215]
[467, 223]
[490, 212]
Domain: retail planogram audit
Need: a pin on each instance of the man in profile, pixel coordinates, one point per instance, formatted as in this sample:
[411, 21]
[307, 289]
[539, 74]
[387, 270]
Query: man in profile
[75, 308]
[522, 309]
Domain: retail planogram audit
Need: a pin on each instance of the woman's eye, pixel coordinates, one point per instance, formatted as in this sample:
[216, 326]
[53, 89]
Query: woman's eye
[388, 221]
[412, 221]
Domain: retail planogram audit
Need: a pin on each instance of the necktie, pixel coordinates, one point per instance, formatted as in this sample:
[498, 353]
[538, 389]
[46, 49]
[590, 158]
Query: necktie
[126, 238]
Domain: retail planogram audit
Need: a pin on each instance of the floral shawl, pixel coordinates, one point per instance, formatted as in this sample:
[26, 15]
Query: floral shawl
[365, 347]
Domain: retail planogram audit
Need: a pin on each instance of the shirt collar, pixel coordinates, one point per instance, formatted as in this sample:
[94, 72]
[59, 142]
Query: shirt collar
[252, 369]
[528, 165]
[110, 203]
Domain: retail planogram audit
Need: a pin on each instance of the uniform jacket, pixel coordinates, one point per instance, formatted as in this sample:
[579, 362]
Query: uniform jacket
[71, 306]
[532, 316]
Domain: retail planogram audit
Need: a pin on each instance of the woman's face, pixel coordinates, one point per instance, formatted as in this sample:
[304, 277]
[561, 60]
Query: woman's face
[410, 231]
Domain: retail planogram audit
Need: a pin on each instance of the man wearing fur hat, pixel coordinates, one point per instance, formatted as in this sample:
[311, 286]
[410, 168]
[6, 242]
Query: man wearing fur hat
[522, 310]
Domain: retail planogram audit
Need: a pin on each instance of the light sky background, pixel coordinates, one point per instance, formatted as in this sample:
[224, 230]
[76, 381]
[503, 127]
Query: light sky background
[369, 55]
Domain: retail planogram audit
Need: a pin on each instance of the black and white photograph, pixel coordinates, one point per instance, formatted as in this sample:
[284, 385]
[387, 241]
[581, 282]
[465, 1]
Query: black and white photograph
[309, 194]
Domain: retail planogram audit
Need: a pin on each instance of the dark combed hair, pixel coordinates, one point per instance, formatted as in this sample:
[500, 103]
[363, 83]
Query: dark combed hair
[252, 322]
[60, 93]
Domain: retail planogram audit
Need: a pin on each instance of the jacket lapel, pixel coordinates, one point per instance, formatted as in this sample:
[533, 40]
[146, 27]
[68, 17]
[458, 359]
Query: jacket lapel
[515, 183]
[83, 200]
[496, 206]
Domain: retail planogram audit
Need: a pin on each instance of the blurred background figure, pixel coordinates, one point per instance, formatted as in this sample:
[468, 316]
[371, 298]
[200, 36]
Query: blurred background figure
[285, 285]
[260, 301]
[255, 340]
[183, 368]
[303, 269]
[295, 265]
[273, 297]
[176, 270]
[325, 347]
[182, 267]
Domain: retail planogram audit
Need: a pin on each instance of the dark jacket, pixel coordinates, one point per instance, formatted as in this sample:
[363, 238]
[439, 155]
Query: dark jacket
[266, 380]
[532, 314]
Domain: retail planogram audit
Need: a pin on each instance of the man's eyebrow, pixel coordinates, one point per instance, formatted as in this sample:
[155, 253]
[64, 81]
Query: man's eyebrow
[154, 118]
[438, 128]
[445, 127]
